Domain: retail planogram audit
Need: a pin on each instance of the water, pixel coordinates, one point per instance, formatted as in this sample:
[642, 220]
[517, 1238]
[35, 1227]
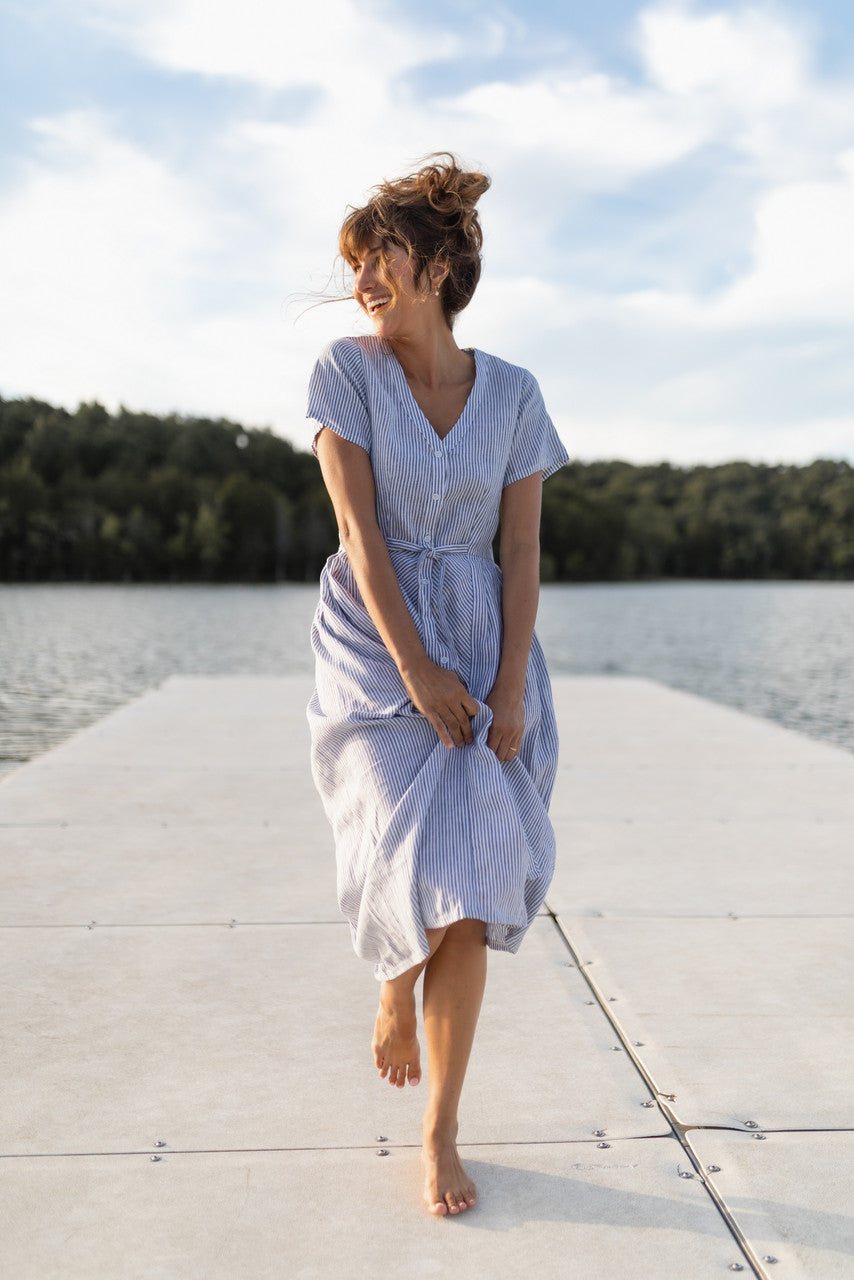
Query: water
[70, 653]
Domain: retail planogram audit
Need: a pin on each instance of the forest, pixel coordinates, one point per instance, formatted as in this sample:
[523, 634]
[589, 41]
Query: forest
[133, 497]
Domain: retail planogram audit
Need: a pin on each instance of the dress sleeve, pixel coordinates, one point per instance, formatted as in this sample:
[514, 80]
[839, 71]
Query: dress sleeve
[338, 395]
[536, 445]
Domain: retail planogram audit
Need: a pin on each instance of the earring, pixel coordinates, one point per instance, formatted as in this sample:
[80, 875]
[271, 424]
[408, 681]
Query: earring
[437, 293]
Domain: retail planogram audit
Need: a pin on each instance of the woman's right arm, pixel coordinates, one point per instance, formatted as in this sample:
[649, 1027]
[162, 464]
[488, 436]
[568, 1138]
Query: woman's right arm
[437, 693]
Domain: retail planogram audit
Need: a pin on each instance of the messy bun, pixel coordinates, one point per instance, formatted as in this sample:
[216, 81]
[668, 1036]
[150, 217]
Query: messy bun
[431, 214]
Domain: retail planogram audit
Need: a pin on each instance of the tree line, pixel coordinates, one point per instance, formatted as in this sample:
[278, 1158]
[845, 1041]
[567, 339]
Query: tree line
[94, 496]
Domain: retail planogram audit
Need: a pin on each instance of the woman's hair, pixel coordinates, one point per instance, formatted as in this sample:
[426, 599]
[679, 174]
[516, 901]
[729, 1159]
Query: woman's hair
[432, 215]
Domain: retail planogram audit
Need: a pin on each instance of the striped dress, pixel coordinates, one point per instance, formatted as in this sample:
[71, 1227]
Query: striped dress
[426, 835]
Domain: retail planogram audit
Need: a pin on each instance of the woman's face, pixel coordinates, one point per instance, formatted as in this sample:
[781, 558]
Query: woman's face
[384, 288]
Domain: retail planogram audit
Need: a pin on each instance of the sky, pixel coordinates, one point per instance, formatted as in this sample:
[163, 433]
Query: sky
[669, 236]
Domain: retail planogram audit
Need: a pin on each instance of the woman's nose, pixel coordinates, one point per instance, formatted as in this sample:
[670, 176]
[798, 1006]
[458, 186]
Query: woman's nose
[364, 278]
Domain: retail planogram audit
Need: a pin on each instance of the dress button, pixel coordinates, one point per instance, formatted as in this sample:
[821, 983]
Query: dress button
[435, 497]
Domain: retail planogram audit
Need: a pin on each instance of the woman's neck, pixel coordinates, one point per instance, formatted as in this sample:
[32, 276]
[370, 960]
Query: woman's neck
[430, 357]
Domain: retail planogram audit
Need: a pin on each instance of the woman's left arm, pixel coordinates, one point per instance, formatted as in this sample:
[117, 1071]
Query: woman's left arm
[519, 556]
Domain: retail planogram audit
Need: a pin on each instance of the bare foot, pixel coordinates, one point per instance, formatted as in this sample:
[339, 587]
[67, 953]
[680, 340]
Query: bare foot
[395, 1044]
[447, 1187]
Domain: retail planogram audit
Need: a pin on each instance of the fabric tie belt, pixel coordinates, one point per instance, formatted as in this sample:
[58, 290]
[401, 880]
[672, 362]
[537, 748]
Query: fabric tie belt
[431, 588]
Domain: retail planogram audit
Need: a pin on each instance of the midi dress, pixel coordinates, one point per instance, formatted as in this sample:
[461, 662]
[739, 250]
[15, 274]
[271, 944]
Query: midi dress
[426, 835]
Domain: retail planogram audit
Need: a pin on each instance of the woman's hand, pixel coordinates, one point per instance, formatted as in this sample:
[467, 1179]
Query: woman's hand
[508, 722]
[441, 696]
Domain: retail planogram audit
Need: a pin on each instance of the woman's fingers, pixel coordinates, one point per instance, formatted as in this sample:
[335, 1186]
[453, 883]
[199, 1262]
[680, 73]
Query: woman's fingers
[471, 706]
[459, 725]
[442, 730]
[505, 743]
[444, 700]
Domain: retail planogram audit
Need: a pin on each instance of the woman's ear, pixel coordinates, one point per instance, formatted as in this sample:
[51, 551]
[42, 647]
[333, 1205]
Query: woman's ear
[438, 275]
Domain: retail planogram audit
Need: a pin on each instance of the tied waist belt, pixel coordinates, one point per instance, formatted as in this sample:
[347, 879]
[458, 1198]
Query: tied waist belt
[431, 588]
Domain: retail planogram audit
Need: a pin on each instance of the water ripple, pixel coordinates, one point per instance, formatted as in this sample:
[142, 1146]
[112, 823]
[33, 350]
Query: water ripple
[71, 653]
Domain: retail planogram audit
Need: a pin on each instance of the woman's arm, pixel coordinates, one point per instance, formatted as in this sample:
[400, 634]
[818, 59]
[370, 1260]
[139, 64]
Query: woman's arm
[437, 693]
[520, 568]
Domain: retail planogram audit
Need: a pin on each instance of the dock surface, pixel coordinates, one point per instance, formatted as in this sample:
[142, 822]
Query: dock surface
[662, 1081]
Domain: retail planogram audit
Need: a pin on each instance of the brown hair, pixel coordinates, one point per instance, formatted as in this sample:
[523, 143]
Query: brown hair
[431, 214]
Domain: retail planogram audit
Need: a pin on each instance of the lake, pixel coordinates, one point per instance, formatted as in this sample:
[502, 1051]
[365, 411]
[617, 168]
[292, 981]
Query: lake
[71, 653]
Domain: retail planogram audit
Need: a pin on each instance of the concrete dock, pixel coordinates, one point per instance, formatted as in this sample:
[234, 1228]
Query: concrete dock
[662, 1084]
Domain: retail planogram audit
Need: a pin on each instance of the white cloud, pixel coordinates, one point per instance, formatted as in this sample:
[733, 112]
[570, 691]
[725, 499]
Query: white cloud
[104, 252]
[341, 45]
[98, 242]
[745, 58]
[803, 264]
[133, 280]
[595, 129]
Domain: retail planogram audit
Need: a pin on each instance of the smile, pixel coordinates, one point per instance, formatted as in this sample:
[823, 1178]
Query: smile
[376, 304]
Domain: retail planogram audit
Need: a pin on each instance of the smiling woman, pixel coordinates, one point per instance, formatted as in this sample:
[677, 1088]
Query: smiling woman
[434, 744]
[428, 219]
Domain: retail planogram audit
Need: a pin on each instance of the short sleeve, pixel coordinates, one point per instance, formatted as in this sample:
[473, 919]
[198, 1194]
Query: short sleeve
[536, 445]
[338, 394]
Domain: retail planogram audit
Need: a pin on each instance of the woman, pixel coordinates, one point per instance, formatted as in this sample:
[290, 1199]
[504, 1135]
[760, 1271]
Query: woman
[434, 744]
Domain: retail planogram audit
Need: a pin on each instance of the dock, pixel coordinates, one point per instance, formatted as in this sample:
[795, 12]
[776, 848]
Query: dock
[662, 1082]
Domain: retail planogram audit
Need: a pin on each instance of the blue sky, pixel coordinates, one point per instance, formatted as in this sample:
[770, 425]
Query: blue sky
[669, 237]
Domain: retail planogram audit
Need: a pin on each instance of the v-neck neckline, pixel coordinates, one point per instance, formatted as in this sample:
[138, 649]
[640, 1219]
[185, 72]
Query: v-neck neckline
[415, 407]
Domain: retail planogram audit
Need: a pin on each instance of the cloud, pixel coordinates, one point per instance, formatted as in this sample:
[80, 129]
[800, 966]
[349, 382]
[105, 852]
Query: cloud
[596, 130]
[802, 271]
[176, 283]
[105, 252]
[341, 45]
[745, 59]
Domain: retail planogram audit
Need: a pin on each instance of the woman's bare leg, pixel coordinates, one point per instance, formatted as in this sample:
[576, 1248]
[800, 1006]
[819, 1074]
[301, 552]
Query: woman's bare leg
[454, 981]
[395, 1043]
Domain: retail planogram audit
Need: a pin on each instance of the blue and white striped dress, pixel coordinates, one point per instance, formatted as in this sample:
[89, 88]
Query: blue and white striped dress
[426, 835]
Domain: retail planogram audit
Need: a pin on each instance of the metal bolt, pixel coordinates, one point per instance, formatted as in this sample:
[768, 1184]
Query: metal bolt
[160, 1143]
[155, 1157]
[232, 922]
[713, 1168]
[736, 1266]
[383, 1151]
[685, 1174]
[769, 1257]
[615, 1048]
[603, 1145]
[751, 1124]
[381, 1138]
[647, 1104]
[638, 1044]
[599, 1133]
[589, 1001]
[759, 1137]
[671, 1097]
[612, 999]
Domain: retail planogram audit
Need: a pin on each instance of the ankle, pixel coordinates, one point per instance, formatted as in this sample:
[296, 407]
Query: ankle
[439, 1131]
